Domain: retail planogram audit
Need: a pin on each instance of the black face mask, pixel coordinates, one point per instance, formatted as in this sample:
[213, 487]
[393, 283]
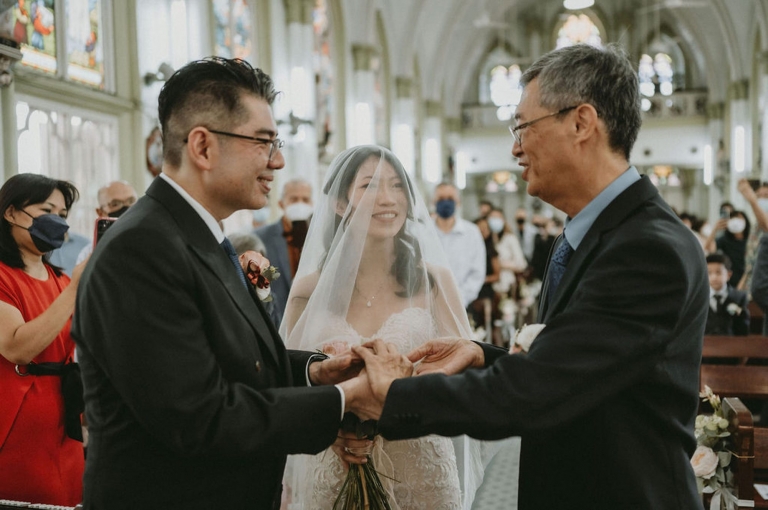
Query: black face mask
[47, 231]
[520, 221]
[119, 212]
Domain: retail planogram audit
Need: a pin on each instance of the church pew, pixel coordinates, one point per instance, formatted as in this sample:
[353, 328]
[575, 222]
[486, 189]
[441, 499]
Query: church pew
[751, 346]
[750, 449]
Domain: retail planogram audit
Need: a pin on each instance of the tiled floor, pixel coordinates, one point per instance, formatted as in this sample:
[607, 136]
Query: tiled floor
[499, 488]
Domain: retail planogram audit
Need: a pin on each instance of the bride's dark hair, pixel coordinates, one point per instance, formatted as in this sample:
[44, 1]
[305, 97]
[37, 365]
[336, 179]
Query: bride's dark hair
[408, 265]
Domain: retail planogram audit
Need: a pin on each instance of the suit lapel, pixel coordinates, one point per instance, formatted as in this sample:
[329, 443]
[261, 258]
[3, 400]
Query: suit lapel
[611, 217]
[204, 245]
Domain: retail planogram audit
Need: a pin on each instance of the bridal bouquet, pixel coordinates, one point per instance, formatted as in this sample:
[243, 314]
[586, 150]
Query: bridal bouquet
[712, 457]
[362, 489]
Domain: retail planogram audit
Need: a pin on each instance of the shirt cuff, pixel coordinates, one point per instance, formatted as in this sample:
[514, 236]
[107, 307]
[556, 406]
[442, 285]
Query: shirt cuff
[312, 359]
[343, 399]
[321, 357]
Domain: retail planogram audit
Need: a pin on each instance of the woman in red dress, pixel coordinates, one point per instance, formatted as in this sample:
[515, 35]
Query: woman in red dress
[39, 463]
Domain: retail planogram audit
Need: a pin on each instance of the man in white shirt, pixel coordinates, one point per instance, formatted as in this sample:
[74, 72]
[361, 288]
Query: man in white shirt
[462, 241]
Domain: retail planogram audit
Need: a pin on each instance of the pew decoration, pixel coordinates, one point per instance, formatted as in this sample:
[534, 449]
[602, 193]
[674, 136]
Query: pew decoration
[712, 458]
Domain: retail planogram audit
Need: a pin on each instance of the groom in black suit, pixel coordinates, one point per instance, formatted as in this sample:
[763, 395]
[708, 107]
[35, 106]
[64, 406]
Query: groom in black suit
[606, 398]
[192, 400]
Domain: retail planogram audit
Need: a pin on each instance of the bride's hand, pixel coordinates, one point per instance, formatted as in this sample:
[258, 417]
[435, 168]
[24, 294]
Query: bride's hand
[350, 449]
[447, 356]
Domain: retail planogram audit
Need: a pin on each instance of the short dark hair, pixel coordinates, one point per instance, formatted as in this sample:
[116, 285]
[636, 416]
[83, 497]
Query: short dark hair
[719, 257]
[20, 191]
[602, 77]
[203, 93]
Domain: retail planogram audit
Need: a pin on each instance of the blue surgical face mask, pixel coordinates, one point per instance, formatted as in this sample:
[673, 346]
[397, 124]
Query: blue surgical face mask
[47, 231]
[445, 208]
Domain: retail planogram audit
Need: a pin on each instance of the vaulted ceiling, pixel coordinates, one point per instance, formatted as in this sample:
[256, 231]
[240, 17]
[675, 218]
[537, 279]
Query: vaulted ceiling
[441, 43]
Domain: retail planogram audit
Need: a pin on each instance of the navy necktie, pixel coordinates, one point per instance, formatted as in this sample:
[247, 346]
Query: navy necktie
[557, 266]
[230, 250]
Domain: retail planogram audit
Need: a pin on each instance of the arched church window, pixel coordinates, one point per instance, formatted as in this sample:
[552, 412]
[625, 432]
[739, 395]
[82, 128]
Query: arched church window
[70, 144]
[324, 76]
[233, 32]
[578, 29]
[505, 90]
[661, 69]
[79, 55]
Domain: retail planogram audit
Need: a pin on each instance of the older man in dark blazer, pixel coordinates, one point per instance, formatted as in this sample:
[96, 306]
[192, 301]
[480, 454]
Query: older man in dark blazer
[191, 398]
[605, 399]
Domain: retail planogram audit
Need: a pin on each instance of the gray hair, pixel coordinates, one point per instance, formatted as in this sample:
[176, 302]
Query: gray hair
[601, 77]
[245, 241]
[295, 182]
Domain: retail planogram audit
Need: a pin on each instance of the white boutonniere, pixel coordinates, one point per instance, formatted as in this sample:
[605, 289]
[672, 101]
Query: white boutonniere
[525, 336]
[733, 309]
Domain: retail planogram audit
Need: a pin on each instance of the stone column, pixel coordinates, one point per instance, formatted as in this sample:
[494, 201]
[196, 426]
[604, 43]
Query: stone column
[362, 115]
[433, 149]
[403, 120]
[763, 92]
[297, 126]
[740, 137]
[719, 189]
[9, 55]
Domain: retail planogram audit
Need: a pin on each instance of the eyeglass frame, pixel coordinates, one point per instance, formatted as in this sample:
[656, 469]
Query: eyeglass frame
[274, 144]
[117, 203]
[515, 130]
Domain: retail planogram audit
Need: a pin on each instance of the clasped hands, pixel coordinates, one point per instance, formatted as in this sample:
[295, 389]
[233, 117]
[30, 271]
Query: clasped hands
[367, 371]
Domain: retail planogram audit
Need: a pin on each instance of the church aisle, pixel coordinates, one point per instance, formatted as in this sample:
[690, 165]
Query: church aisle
[499, 488]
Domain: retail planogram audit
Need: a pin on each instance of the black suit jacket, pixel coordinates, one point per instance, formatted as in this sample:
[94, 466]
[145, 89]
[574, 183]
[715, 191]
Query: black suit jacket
[273, 236]
[722, 322]
[606, 398]
[189, 390]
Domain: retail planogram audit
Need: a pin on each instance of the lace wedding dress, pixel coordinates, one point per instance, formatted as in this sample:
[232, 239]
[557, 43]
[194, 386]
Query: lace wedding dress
[424, 469]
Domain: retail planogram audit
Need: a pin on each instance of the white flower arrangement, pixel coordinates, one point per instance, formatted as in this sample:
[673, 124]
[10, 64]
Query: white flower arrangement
[525, 336]
[712, 457]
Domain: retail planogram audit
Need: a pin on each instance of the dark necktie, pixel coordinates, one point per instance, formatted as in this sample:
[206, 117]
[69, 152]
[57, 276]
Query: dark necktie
[230, 250]
[557, 266]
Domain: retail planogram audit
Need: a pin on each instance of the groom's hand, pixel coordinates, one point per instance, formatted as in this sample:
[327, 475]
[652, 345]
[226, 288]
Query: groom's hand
[335, 369]
[383, 364]
[447, 356]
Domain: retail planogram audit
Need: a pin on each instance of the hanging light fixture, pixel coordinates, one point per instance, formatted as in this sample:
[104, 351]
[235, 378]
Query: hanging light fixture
[575, 5]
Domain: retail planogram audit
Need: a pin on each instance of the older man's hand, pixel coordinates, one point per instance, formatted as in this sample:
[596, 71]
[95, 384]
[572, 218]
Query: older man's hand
[447, 356]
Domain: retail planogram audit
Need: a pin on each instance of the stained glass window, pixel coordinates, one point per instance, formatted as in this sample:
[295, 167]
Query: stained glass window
[80, 29]
[324, 78]
[66, 144]
[505, 90]
[578, 29]
[233, 31]
[85, 50]
[34, 28]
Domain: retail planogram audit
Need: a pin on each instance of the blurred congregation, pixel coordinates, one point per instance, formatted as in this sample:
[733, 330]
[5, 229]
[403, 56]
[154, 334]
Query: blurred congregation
[436, 82]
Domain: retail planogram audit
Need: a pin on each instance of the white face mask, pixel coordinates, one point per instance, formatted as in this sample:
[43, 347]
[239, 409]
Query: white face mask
[496, 225]
[298, 211]
[736, 225]
[705, 230]
[763, 203]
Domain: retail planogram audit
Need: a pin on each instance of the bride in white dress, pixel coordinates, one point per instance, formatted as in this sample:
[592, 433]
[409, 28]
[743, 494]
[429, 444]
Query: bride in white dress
[373, 267]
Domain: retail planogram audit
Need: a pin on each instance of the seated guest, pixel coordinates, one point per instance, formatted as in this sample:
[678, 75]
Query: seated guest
[728, 314]
[39, 462]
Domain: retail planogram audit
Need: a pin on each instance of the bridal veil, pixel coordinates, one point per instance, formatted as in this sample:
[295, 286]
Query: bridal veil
[373, 267]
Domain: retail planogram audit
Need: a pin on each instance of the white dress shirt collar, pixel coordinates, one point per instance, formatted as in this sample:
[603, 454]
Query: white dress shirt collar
[207, 217]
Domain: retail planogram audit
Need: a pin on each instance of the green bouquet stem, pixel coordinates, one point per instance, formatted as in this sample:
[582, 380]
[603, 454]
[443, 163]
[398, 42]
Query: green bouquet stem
[362, 490]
